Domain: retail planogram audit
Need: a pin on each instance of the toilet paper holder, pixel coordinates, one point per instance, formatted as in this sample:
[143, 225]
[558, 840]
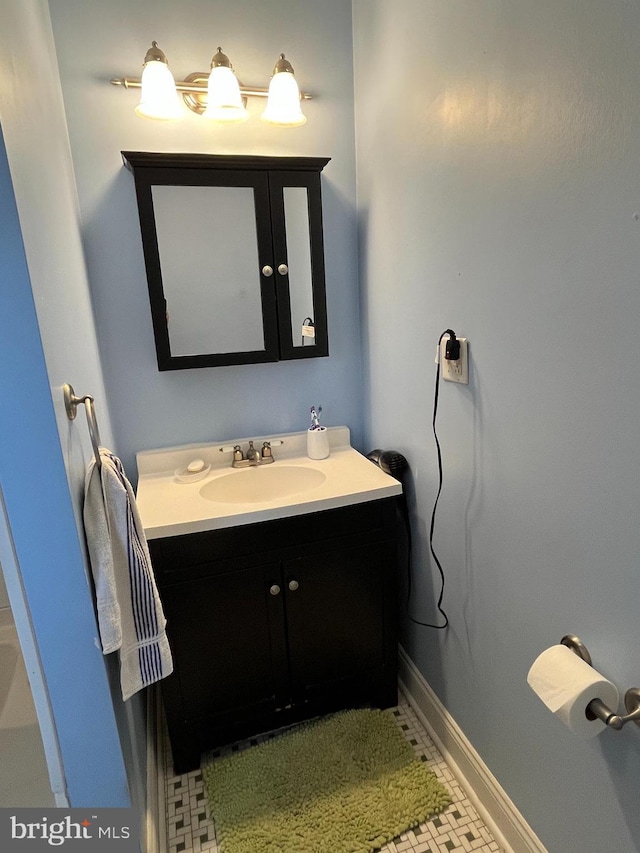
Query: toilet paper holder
[596, 707]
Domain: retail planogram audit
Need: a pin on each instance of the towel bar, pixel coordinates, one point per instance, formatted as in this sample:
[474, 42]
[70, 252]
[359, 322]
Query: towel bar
[71, 403]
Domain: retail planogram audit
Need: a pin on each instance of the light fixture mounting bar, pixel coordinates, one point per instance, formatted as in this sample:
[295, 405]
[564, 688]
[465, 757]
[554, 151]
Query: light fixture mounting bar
[194, 88]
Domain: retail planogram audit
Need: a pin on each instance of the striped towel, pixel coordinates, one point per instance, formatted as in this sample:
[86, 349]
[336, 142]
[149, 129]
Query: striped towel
[130, 615]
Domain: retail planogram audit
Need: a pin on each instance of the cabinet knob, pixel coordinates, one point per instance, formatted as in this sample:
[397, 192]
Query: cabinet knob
[283, 269]
[274, 589]
[267, 270]
[293, 585]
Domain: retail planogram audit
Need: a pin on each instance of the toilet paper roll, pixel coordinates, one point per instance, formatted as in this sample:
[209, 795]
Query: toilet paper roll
[566, 685]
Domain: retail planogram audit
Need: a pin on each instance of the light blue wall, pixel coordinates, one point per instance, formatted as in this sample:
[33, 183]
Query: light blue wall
[98, 41]
[40, 513]
[499, 189]
[32, 111]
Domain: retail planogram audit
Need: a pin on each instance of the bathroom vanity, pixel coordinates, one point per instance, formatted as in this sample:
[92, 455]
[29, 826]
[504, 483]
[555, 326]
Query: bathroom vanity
[278, 609]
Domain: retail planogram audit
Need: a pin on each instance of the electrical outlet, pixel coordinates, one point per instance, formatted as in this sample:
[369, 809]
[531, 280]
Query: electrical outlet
[455, 371]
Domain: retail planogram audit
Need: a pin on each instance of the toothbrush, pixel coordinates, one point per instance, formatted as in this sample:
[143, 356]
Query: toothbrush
[314, 417]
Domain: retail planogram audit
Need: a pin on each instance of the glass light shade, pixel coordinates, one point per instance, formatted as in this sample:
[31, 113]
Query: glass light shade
[159, 98]
[283, 103]
[224, 101]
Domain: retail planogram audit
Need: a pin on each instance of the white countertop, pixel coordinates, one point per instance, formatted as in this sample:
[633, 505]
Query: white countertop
[168, 507]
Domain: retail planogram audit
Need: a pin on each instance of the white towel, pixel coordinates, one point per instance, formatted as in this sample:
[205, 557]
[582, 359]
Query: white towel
[130, 615]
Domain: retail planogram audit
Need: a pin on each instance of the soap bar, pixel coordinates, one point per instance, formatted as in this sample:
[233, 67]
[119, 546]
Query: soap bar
[196, 470]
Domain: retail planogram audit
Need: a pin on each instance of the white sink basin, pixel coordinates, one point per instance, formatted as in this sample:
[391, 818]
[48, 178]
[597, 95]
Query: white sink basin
[257, 485]
[228, 497]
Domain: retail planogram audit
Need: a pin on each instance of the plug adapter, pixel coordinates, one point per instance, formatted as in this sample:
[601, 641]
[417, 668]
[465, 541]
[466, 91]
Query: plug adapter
[455, 369]
[452, 347]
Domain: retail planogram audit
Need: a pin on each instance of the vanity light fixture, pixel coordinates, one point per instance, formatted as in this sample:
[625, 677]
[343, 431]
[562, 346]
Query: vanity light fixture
[217, 95]
[283, 104]
[158, 98]
[224, 101]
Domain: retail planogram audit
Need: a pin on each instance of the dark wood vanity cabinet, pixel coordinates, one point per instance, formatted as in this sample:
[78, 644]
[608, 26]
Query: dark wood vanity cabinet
[276, 622]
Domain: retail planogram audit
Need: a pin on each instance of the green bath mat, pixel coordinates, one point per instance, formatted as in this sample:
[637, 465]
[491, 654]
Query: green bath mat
[345, 784]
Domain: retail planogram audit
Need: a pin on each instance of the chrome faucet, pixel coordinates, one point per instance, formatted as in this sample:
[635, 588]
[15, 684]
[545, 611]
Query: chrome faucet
[253, 456]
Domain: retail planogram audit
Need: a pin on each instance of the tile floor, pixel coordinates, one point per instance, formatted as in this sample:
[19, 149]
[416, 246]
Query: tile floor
[191, 829]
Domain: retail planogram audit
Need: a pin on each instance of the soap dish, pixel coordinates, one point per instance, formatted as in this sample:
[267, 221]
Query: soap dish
[183, 475]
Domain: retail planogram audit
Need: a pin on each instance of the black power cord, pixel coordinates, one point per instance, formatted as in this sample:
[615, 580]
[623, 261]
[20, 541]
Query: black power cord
[452, 351]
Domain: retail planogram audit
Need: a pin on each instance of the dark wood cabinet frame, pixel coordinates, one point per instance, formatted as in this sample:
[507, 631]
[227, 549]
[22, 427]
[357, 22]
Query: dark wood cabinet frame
[268, 176]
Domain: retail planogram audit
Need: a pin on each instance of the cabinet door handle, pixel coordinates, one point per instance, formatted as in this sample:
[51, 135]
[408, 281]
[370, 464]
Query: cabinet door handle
[274, 589]
[267, 270]
[293, 585]
[283, 269]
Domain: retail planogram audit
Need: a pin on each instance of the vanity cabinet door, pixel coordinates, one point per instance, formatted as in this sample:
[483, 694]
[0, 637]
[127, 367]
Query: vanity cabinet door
[227, 637]
[341, 621]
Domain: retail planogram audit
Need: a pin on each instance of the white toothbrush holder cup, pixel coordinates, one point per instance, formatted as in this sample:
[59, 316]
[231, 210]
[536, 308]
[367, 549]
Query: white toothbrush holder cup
[317, 443]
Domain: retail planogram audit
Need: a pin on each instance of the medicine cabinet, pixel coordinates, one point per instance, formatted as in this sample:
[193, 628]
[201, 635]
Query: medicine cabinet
[234, 256]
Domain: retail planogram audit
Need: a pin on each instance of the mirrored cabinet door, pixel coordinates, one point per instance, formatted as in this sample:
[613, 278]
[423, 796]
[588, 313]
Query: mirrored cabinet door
[233, 251]
[297, 239]
[210, 266]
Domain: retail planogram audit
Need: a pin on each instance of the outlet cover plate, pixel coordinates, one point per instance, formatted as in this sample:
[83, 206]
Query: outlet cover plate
[455, 371]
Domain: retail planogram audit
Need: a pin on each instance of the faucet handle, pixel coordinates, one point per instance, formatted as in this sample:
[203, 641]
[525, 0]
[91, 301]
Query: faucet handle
[267, 455]
[229, 448]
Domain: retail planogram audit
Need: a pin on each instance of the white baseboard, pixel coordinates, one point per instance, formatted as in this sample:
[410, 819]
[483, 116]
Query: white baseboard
[506, 824]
